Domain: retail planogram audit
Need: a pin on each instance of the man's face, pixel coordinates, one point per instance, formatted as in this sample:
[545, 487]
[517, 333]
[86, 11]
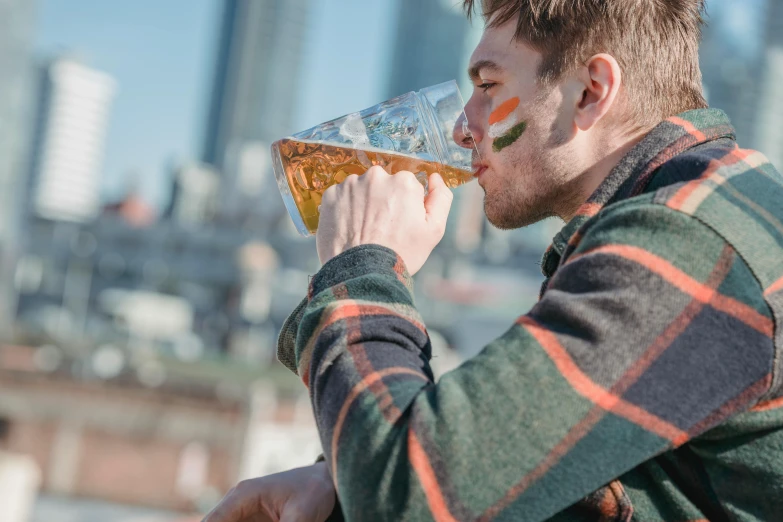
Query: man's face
[521, 131]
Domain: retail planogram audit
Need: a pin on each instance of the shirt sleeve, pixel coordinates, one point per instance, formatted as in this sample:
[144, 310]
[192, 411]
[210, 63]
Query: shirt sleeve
[642, 341]
[286, 340]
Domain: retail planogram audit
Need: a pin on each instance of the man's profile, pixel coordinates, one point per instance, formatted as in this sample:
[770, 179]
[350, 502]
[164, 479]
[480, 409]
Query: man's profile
[646, 382]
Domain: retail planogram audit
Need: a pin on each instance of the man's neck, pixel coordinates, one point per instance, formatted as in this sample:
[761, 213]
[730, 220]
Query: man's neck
[591, 179]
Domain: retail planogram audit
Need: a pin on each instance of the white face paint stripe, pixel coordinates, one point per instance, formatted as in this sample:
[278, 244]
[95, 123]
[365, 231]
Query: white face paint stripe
[501, 128]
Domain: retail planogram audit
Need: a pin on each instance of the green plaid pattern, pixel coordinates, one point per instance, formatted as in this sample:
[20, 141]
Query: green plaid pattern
[644, 385]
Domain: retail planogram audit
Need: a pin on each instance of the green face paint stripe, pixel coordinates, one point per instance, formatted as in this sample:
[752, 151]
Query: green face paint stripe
[510, 137]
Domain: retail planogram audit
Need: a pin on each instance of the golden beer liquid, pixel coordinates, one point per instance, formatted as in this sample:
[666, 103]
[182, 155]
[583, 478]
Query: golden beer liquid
[311, 167]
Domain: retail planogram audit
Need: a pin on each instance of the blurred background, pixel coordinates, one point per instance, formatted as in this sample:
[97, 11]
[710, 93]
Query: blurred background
[147, 262]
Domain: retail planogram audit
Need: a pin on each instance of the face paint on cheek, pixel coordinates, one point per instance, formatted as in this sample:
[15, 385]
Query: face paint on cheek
[504, 128]
[504, 111]
[510, 137]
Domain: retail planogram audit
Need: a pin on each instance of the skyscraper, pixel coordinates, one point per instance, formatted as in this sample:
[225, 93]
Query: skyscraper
[732, 62]
[431, 45]
[69, 142]
[769, 131]
[17, 18]
[257, 71]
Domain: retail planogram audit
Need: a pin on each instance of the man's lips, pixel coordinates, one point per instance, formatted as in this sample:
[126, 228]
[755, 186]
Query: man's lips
[478, 170]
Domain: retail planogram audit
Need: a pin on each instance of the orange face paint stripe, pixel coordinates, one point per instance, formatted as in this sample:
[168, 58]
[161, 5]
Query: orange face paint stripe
[504, 111]
[687, 285]
[357, 390]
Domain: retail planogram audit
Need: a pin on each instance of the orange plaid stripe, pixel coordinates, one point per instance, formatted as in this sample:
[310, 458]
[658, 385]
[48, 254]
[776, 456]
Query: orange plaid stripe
[598, 395]
[688, 285]
[356, 391]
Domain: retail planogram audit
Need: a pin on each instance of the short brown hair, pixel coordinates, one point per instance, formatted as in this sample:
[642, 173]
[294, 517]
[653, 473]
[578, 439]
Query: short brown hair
[656, 43]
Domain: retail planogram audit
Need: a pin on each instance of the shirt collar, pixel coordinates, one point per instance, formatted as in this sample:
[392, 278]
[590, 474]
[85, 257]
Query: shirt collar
[631, 175]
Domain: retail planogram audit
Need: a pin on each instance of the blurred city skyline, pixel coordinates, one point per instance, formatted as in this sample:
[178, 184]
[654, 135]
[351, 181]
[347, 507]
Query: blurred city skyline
[164, 79]
[160, 112]
[147, 262]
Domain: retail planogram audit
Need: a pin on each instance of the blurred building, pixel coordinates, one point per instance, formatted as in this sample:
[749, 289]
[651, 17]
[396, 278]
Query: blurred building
[17, 18]
[19, 482]
[69, 142]
[430, 45]
[192, 292]
[195, 194]
[177, 442]
[256, 78]
[133, 210]
[769, 130]
[165, 287]
[732, 61]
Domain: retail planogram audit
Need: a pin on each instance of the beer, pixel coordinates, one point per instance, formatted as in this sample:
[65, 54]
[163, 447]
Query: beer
[313, 166]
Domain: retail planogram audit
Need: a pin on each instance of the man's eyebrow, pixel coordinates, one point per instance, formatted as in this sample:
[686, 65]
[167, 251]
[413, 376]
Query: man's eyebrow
[474, 72]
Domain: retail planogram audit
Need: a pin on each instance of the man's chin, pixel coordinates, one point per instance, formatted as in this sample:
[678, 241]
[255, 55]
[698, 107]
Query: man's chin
[513, 218]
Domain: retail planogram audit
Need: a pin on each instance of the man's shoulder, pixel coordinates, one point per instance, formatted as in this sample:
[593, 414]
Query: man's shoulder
[716, 162]
[736, 193]
[713, 194]
[690, 164]
[716, 183]
[730, 200]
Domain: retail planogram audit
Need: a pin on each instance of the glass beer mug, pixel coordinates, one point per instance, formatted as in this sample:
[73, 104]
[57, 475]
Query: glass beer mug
[412, 132]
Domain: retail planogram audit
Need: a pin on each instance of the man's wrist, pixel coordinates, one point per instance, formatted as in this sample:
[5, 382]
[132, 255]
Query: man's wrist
[357, 262]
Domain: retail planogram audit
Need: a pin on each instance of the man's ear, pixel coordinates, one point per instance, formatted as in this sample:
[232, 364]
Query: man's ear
[601, 79]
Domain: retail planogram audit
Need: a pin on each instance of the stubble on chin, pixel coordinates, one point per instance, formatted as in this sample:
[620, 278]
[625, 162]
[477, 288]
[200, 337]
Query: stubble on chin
[514, 213]
[527, 195]
[537, 185]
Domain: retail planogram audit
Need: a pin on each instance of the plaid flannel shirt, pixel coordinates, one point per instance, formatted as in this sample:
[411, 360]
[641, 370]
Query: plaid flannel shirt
[644, 385]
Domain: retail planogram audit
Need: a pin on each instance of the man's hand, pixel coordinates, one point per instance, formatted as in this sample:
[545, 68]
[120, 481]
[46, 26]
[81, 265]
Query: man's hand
[299, 495]
[378, 208]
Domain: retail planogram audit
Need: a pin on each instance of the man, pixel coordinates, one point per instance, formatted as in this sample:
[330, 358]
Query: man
[645, 384]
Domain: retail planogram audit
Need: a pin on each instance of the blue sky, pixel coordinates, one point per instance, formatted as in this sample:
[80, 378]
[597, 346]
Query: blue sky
[741, 22]
[158, 51]
[161, 54]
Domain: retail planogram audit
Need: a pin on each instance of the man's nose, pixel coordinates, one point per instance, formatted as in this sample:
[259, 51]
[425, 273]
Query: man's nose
[463, 135]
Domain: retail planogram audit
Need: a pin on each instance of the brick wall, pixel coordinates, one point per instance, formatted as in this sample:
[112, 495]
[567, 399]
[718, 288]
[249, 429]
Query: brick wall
[134, 446]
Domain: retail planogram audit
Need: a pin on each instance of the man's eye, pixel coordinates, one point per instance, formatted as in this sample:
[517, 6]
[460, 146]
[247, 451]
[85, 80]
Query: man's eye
[486, 86]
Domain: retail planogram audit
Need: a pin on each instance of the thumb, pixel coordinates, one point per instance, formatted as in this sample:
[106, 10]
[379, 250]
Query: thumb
[438, 200]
